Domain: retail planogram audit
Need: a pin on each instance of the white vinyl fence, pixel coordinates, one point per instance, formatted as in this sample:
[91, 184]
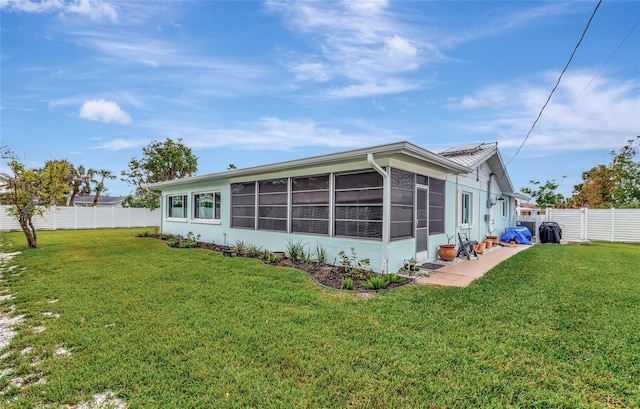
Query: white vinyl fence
[621, 225]
[85, 218]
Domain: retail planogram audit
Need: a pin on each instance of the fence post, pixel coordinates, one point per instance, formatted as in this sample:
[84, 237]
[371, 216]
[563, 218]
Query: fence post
[613, 222]
[584, 221]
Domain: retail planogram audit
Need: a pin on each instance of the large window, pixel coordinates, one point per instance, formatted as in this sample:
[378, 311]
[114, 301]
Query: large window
[310, 204]
[243, 205]
[358, 205]
[273, 204]
[402, 192]
[206, 206]
[436, 206]
[177, 206]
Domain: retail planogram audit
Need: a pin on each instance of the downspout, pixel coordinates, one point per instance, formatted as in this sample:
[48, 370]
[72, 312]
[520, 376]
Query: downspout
[386, 211]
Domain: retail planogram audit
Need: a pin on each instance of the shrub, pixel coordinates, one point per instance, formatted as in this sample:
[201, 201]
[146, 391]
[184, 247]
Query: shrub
[295, 251]
[376, 283]
[189, 241]
[347, 284]
[321, 255]
[240, 247]
[358, 268]
[253, 250]
[273, 258]
[394, 278]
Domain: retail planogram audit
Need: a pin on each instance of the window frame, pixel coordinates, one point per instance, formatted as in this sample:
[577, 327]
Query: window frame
[357, 206]
[217, 207]
[433, 192]
[264, 196]
[466, 210]
[400, 205]
[295, 206]
[185, 204]
[504, 209]
[234, 197]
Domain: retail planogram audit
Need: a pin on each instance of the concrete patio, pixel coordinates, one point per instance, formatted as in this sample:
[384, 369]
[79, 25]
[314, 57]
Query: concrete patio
[463, 273]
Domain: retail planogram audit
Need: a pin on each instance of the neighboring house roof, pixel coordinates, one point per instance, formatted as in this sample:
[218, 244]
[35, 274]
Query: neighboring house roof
[459, 160]
[102, 200]
[476, 154]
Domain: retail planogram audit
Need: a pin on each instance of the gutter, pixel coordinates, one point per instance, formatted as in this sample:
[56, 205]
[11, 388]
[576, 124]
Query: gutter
[386, 211]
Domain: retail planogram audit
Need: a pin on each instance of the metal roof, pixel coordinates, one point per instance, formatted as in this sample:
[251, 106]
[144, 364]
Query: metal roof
[404, 148]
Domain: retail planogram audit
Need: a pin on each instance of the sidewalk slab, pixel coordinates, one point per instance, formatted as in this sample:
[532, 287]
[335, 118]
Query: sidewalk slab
[465, 272]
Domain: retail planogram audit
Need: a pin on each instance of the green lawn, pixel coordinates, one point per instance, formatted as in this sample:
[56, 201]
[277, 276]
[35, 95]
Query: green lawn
[554, 326]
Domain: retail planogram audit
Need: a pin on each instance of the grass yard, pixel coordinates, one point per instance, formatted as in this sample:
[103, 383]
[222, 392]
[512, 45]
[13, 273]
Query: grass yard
[552, 327]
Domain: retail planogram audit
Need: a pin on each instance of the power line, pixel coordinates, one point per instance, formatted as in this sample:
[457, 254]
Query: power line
[557, 83]
[607, 62]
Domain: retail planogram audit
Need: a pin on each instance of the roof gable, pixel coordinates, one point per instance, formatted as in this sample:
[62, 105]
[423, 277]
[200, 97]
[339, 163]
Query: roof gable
[473, 155]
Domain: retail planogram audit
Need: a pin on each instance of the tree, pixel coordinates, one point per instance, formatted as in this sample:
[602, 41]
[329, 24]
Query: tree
[545, 195]
[100, 188]
[613, 185]
[32, 191]
[80, 183]
[161, 161]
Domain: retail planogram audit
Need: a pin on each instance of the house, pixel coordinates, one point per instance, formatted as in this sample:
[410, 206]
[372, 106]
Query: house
[87, 200]
[391, 203]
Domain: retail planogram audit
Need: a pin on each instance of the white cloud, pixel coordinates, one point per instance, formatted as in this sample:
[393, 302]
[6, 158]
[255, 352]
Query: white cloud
[105, 111]
[96, 10]
[119, 144]
[361, 43]
[28, 6]
[271, 133]
[311, 71]
[584, 113]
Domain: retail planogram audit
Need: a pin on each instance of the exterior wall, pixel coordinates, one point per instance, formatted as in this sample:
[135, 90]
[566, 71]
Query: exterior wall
[398, 251]
[223, 234]
[487, 220]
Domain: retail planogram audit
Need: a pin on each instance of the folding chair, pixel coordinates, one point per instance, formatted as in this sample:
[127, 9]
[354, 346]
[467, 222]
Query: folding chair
[467, 247]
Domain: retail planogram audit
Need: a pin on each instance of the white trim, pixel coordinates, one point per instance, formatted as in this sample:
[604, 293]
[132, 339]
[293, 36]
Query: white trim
[185, 207]
[213, 220]
[472, 210]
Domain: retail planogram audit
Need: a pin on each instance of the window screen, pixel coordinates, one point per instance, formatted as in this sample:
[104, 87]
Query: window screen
[310, 204]
[358, 205]
[243, 205]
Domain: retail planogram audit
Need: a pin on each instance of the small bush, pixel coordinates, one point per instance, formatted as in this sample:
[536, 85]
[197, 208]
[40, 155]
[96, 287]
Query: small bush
[253, 250]
[273, 258]
[321, 255]
[295, 251]
[394, 278]
[347, 284]
[376, 283]
[173, 241]
[240, 247]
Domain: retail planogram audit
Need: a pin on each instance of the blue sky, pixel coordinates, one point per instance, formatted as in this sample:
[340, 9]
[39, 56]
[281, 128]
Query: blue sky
[257, 82]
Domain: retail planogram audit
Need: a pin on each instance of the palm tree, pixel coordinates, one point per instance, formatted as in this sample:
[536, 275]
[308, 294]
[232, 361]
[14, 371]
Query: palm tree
[80, 183]
[99, 189]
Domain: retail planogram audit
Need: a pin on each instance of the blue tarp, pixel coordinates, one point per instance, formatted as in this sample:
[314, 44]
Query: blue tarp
[520, 234]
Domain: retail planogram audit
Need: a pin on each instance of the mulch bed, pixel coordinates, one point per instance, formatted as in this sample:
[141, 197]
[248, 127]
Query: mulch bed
[325, 275]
